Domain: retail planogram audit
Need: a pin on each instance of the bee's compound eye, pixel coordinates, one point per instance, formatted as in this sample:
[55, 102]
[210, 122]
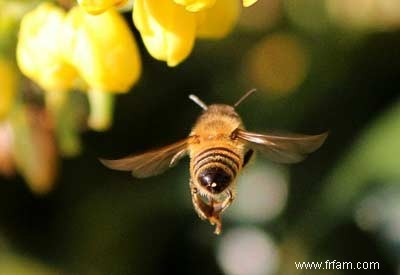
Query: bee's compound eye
[215, 179]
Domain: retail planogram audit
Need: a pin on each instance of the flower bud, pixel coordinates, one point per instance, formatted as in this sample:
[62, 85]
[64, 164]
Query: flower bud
[102, 49]
[35, 149]
[167, 29]
[218, 21]
[39, 49]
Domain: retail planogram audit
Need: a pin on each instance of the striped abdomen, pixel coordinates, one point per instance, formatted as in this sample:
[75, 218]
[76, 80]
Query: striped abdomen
[215, 168]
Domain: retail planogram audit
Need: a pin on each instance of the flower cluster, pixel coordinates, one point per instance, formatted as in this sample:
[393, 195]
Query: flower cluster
[169, 27]
[78, 55]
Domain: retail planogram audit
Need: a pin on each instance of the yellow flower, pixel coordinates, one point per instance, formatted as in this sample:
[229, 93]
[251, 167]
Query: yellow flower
[104, 52]
[170, 27]
[219, 20]
[102, 49]
[167, 29]
[38, 49]
[8, 86]
[99, 6]
[196, 5]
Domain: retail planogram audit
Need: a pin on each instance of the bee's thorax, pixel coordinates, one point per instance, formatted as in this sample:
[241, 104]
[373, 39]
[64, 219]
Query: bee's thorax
[217, 120]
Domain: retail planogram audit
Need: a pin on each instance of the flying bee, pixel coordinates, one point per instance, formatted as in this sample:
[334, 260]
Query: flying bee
[219, 147]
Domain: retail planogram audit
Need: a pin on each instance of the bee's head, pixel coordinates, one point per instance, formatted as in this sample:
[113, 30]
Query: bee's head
[214, 179]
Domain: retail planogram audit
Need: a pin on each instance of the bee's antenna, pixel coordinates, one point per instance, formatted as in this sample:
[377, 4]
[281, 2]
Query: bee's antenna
[198, 102]
[246, 95]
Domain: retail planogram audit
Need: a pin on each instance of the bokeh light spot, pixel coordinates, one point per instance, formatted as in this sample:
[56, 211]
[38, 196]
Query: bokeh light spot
[247, 251]
[365, 14]
[278, 64]
[262, 192]
[379, 212]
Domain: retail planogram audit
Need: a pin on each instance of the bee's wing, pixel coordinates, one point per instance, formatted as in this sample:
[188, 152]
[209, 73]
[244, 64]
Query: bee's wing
[282, 148]
[151, 163]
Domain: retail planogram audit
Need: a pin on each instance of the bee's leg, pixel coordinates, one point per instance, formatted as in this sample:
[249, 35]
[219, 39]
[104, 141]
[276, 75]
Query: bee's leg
[215, 219]
[202, 209]
[206, 212]
[221, 206]
[218, 208]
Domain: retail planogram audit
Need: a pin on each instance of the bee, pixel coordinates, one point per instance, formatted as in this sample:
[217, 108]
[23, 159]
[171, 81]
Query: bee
[219, 148]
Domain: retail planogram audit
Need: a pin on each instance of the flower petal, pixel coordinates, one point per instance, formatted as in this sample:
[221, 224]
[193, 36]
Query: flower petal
[248, 3]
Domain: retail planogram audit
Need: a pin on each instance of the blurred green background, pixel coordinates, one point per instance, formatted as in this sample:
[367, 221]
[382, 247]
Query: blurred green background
[318, 65]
